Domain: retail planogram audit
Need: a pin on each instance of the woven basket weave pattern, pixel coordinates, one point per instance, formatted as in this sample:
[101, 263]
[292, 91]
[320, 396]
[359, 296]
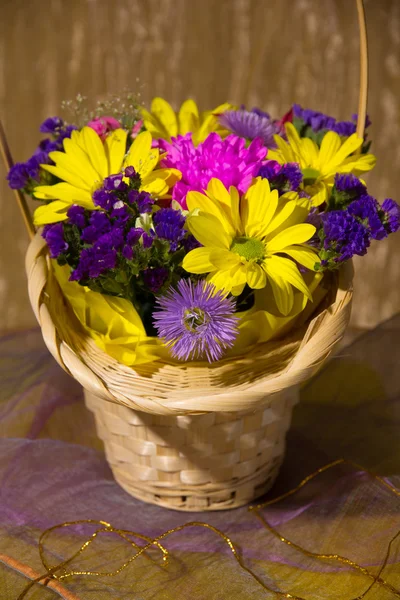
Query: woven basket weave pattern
[202, 462]
[190, 436]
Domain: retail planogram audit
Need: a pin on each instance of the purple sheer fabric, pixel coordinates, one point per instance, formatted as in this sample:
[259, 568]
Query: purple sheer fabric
[52, 470]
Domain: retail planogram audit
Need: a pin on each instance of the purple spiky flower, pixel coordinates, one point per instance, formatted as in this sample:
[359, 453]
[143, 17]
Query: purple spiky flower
[195, 321]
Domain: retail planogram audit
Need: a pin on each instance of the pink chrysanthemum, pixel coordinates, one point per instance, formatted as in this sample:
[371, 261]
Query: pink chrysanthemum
[229, 160]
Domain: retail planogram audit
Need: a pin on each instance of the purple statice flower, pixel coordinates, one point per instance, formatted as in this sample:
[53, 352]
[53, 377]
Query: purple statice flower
[147, 239]
[93, 262]
[190, 243]
[54, 236]
[314, 119]
[51, 125]
[20, 174]
[366, 209]
[143, 200]
[99, 224]
[344, 235]
[228, 160]
[76, 216]
[349, 184]
[64, 133]
[284, 178]
[115, 183]
[391, 212]
[155, 278]
[251, 124]
[134, 235]
[103, 198]
[195, 321]
[17, 176]
[319, 121]
[169, 225]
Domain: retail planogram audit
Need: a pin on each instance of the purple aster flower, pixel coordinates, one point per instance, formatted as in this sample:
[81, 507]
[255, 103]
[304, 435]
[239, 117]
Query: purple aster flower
[76, 216]
[344, 235]
[155, 278]
[284, 178]
[51, 125]
[229, 160]
[168, 225]
[391, 212]
[251, 124]
[195, 321]
[366, 209]
[54, 236]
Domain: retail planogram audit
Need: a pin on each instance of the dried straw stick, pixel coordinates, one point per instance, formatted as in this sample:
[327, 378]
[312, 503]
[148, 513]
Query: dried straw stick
[363, 95]
[8, 163]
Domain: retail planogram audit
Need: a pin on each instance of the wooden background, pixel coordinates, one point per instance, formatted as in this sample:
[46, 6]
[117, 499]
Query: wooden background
[266, 53]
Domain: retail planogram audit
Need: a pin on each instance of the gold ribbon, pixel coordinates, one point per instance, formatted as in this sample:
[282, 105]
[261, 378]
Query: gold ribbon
[52, 572]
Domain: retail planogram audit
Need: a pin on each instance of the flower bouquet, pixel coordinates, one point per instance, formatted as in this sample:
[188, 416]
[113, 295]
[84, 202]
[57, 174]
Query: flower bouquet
[190, 270]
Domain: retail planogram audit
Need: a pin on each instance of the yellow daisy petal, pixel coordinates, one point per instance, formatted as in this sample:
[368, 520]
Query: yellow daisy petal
[283, 294]
[139, 151]
[258, 208]
[115, 149]
[224, 259]
[304, 255]
[95, 150]
[50, 213]
[197, 200]
[330, 146]
[65, 192]
[69, 176]
[279, 267]
[189, 119]
[297, 234]
[256, 276]
[76, 160]
[198, 261]
[208, 231]
[163, 111]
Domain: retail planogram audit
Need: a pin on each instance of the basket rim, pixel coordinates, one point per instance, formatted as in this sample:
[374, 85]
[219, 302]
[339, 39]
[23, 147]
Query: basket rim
[187, 388]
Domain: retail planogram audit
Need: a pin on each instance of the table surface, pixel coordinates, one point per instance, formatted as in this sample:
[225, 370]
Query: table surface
[53, 470]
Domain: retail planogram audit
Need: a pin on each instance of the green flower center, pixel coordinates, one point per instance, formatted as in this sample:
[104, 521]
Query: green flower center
[250, 248]
[194, 318]
[310, 176]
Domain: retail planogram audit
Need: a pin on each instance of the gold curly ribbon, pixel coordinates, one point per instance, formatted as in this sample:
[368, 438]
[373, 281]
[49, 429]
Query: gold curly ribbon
[52, 572]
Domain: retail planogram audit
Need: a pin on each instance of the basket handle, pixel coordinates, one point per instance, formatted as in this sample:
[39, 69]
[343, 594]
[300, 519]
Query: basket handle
[363, 94]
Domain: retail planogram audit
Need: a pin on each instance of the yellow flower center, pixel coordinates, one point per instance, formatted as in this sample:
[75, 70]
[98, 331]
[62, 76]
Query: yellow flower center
[250, 248]
[194, 318]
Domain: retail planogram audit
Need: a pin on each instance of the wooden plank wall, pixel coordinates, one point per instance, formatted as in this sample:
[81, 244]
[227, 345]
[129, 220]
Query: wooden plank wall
[266, 53]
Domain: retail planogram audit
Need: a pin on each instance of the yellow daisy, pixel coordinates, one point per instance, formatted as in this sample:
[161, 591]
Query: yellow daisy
[87, 161]
[244, 240]
[319, 165]
[162, 121]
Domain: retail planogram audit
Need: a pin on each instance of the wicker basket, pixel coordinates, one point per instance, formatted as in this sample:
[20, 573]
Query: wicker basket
[191, 436]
